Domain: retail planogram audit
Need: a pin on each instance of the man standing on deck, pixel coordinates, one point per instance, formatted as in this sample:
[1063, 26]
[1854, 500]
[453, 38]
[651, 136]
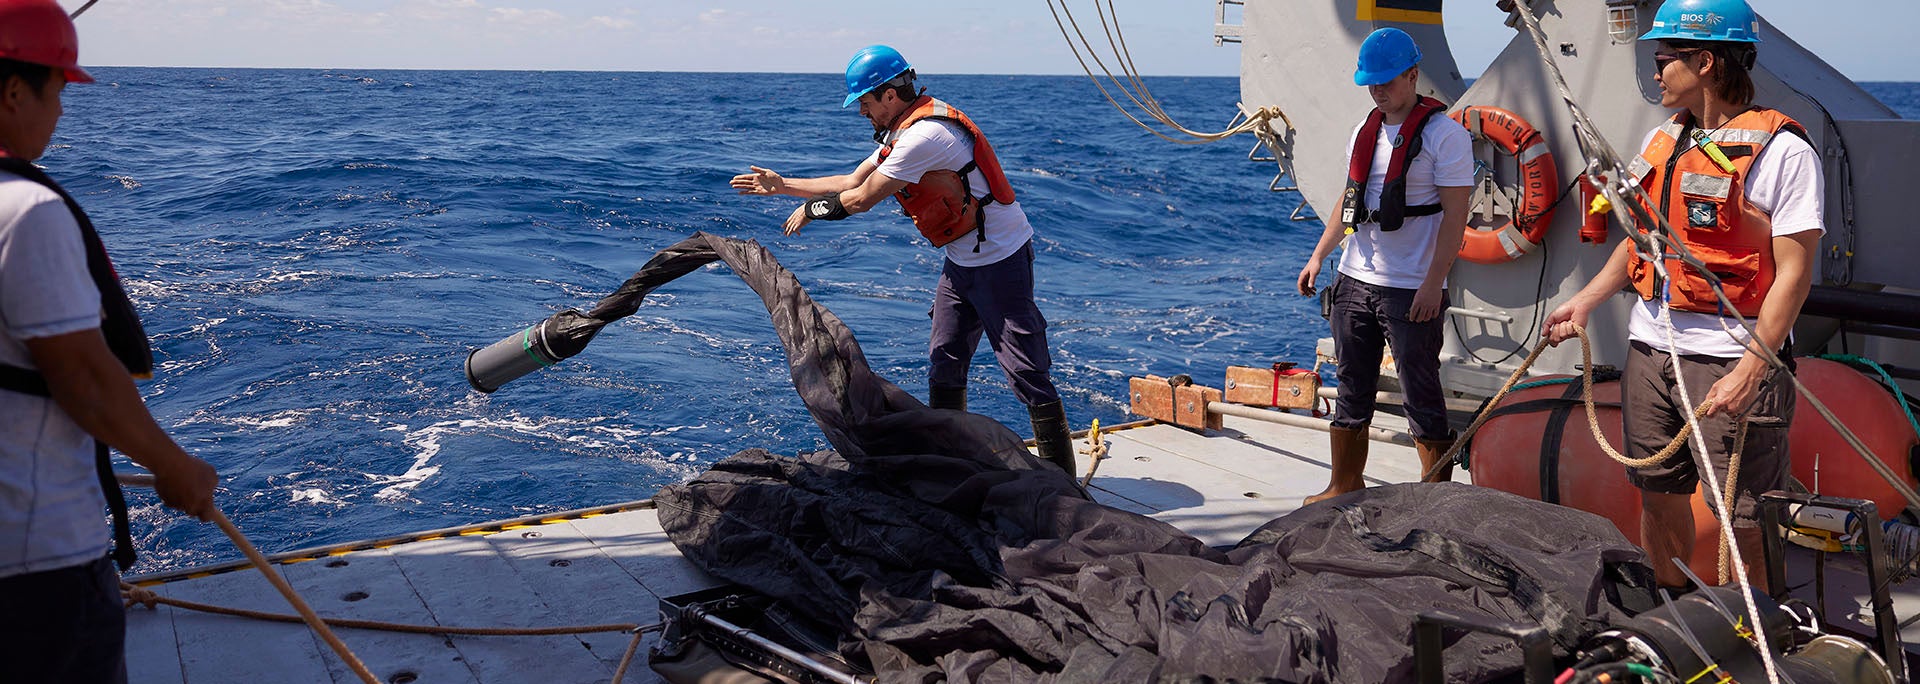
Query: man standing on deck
[69, 344]
[1405, 208]
[1742, 189]
[939, 165]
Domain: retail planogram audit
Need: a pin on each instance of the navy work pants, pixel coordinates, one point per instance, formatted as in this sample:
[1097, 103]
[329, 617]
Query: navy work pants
[997, 300]
[1365, 319]
[63, 626]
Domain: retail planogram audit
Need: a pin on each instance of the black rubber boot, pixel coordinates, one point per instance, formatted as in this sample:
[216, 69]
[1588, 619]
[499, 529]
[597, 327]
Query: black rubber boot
[944, 397]
[1050, 435]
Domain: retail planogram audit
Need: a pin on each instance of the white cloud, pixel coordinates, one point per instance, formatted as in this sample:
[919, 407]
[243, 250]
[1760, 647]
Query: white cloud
[614, 23]
[718, 16]
[514, 15]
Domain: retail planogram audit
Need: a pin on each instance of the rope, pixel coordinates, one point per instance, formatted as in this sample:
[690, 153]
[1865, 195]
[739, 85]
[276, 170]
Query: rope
[146, 597]
[1257, 122]
[1096, 452]
[313, 621]
[1885, 379]
[1726, 506]
[626, 659]
[1600, 437]
[1586, 396]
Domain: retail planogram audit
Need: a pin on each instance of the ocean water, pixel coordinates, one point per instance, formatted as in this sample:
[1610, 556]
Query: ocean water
[315, 251]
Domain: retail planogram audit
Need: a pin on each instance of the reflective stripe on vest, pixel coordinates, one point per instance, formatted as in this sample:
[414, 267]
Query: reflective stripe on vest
[1705, 205]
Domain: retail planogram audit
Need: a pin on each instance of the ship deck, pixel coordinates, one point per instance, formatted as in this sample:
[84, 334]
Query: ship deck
[614, 564]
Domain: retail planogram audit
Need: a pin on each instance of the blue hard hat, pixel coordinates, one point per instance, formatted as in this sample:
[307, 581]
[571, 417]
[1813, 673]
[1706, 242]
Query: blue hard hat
[1722, 20]
[871, 67]
[1386, 53]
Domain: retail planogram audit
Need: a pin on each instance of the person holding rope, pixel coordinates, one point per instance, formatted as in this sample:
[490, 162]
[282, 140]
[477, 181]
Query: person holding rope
[1408, 183]
[1742, 189]
[70, 345]
[948, 180]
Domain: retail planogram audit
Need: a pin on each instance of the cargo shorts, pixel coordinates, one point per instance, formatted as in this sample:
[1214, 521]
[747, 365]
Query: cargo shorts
[1653, 414]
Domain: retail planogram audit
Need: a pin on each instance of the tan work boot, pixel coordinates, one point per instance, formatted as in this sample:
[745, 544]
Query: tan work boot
[1349, 462]
[1431, 450]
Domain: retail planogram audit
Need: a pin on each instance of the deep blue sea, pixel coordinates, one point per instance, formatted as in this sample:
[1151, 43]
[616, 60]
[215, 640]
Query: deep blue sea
[314, 252]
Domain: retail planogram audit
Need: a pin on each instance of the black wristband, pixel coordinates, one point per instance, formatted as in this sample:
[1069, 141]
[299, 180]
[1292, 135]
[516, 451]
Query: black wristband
[826, 207]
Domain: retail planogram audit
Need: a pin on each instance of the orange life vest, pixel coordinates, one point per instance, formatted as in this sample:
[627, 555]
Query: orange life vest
[942, 205]
[1704, 204]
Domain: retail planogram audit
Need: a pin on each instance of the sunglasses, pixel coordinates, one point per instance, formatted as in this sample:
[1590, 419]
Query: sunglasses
[1662, 59]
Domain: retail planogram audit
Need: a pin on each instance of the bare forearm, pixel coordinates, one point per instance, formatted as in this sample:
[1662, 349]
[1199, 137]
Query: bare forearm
[109, 407]
[809, 187]
[1329, 239]
[1455, 205]
[1793, 277]
[92, 388]
[1612, 277]
[1446, 248]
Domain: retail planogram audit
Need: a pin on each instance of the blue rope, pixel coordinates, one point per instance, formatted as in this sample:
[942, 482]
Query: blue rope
[1885, 379]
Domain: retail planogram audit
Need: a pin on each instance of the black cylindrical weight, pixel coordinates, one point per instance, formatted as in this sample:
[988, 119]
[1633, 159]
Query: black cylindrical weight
[518, 354]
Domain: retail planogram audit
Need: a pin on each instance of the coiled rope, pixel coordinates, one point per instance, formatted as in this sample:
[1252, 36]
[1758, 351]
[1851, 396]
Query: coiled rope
[1258, 122]
[1600, 437]
[132, 595]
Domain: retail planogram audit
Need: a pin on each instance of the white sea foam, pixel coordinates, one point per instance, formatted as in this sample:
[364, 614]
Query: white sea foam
[315, 495]
[581, 435]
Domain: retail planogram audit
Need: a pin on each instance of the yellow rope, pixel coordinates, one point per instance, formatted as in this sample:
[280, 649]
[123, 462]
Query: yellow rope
[1096, 452]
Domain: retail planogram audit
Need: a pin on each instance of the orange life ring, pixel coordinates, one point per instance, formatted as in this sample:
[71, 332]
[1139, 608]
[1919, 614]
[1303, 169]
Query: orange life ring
[1539, 180]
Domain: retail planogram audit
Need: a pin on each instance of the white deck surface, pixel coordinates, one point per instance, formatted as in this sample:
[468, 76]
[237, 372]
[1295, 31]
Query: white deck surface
[613, 568]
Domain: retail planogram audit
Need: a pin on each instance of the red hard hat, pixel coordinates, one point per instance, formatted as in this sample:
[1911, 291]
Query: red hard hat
[39, 32]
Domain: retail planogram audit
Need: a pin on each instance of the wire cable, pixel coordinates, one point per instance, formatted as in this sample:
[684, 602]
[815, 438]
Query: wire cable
[1135, 89]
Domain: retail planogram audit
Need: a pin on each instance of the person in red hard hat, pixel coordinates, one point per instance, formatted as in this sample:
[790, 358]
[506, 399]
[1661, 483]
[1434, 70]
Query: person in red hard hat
[70, 346]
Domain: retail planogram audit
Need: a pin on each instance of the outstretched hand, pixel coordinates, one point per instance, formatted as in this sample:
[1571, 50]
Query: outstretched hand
[760, 182]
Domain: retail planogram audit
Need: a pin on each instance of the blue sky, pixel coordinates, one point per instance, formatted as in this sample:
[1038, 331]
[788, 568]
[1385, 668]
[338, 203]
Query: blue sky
[1865, 39]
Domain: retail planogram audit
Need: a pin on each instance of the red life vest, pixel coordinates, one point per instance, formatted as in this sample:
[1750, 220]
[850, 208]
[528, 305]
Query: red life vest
[1704, 205]
[1393, 210]
[942, 205]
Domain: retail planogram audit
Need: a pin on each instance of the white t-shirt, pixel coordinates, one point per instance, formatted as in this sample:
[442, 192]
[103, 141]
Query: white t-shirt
[1400, 258]
[935, 144]
[51, 508]
[1786, 182]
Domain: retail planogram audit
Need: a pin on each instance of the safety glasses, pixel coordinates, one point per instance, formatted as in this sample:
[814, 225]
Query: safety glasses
[1662, 59]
